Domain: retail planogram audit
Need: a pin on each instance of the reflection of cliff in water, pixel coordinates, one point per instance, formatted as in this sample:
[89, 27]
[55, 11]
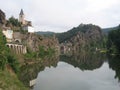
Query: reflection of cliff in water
[30, 72]
[114, 63]
[84, 60]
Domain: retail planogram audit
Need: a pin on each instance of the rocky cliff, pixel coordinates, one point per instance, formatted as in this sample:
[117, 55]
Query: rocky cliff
[34, 41]
[2, 18]
[82, 37]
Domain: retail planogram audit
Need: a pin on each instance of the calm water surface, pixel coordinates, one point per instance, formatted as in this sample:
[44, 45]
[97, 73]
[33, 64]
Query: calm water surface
[80, 73]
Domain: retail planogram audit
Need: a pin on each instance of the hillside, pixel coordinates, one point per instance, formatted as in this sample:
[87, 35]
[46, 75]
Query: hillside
[88, 29]
[83, 37]
[70, 33]
[45, 33]
[107, 30]
[34, 41]
[36, 48]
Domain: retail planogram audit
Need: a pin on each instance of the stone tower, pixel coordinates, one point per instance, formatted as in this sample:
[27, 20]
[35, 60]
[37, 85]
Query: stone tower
[22, 17]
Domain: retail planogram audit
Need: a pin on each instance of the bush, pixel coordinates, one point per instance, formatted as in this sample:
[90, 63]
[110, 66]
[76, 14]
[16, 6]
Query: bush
[31, 55]
[3, 61]
[5, 56]
[13, 62]
[113, 44]
[3, 51]
[14, 22]
[42, 52]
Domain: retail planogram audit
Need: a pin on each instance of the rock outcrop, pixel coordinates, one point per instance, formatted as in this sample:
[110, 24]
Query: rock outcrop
[2, 18]
[83, 36]
[34, 41]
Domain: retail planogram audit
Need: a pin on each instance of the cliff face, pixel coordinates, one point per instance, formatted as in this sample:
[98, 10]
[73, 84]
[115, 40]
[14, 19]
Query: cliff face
[89, 34]
[2, 18]
[82, 36]
[34, 41]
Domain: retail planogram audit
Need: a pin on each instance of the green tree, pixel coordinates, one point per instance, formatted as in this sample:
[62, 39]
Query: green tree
[14, 22]
[113, 44]
[3, 61]
[5, 55]
[13, 62]
[3, 51]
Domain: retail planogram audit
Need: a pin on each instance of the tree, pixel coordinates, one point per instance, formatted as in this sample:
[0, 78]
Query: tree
[113, 43]
[3, 51]
[13, 21]
[5, 56]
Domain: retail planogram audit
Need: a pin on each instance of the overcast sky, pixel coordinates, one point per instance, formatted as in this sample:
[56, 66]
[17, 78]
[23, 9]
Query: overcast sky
[62, 15]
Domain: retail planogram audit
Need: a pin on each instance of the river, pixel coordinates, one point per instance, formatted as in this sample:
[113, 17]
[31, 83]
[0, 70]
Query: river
[80, 72]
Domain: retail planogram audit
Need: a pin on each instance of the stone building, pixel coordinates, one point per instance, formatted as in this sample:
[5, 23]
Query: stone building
[22, 19]
[26, 25]
[29, 29]
[8, 33]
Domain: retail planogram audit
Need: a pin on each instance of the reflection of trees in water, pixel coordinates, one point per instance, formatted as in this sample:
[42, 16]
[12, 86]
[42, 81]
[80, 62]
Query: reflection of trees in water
[114, 63]
[84, 60]
[30, 72]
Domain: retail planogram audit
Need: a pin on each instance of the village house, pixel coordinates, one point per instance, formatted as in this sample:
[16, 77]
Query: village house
[8, 34]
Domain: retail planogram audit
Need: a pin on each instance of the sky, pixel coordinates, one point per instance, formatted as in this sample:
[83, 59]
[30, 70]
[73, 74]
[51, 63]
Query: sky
[62, 15]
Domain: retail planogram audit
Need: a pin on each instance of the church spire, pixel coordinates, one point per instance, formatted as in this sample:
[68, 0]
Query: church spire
[22, 17]
[21, 12]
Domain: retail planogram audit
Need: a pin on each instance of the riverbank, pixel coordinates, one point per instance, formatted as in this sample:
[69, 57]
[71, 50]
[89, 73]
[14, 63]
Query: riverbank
[9, 81]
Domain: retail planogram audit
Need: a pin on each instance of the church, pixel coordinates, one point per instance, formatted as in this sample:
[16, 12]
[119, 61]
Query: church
[26, 25]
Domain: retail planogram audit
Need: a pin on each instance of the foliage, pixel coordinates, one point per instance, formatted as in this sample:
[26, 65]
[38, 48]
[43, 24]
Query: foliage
[104, 41]
[14, 22]
[3, 61]
[107, 30]
[85, 60]
[113, 44]
[9, 81]
[114, 64]
[5, 55]
[31, 55]
[23, 31]
[3, 51]
[46, 34]
[13, 62]
[62, 37]
[42, 52]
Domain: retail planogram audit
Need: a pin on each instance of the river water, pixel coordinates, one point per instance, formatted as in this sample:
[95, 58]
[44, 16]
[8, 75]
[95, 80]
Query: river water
[74, 72]
[80, 73]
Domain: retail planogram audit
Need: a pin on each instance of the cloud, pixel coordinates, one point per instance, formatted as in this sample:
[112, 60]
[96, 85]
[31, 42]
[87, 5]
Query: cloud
[61, 15]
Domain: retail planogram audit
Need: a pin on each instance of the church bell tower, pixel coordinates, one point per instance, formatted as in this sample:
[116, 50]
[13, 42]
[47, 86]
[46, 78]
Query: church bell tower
[22, 17]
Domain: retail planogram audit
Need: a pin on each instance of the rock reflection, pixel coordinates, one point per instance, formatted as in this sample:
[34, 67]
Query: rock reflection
[84, 60]
[114, 64]
[30, 72]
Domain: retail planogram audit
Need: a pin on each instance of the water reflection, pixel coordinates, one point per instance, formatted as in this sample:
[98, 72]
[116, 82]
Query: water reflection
[82, 60]
[67, 77]
[85, 60]
[114, 64]
[30, 72]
